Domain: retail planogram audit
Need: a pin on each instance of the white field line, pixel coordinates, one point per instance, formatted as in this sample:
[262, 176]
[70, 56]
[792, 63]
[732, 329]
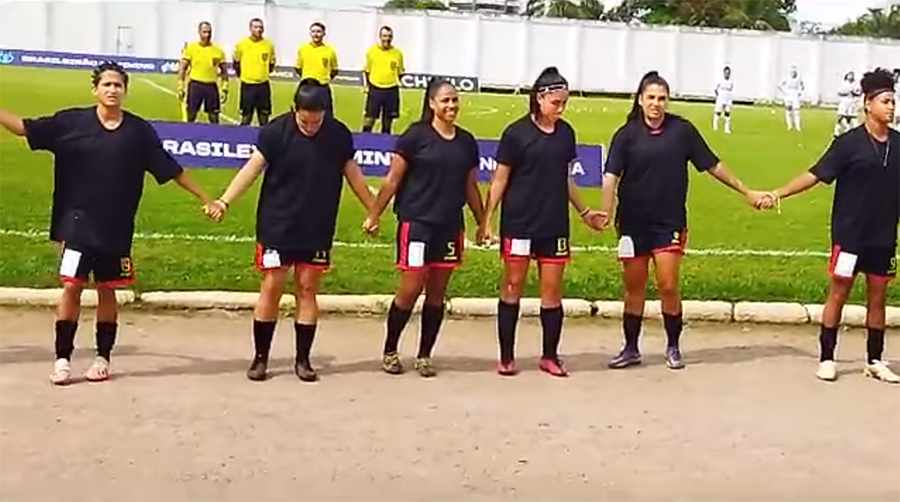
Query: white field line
[170, 92]
[773, 253]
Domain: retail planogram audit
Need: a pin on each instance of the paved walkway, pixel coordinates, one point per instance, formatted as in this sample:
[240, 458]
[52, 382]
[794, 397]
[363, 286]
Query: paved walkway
[747, 420]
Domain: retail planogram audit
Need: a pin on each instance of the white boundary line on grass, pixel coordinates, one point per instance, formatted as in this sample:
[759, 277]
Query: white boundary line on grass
[170, 92]
[771, 253]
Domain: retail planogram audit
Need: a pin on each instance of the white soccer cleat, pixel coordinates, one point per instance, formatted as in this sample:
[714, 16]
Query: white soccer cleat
[62, 372]
[880, 371]
[827, 371]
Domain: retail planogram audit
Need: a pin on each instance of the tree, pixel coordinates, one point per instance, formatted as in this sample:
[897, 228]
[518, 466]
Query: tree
[534, 8]
[747, 14]
[878, 23]
[415, 5]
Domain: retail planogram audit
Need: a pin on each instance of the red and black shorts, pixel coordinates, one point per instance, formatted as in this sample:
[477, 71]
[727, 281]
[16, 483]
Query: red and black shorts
[109, 270]
[424, 245]
[637, 245]
[872, 261]
[268, 258]
[543, 249]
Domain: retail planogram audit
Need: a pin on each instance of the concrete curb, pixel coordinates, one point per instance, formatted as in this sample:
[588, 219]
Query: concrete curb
[707, 311]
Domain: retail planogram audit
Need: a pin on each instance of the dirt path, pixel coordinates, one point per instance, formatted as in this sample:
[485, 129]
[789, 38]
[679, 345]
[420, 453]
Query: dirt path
[746, 420]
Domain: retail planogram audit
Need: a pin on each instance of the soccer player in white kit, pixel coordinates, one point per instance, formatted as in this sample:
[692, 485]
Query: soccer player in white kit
[724, 100]
[848, 104]
[792, 89]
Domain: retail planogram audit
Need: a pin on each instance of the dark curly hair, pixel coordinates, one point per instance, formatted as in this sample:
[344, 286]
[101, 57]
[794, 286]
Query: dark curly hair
[108, 66]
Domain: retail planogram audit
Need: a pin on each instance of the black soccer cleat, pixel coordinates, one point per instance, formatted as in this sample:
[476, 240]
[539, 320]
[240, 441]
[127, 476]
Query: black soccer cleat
[304, 371]
[258, 367]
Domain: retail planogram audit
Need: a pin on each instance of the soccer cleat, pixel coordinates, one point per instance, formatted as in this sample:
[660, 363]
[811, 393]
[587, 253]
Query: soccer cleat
[258, 367]
[674, 361]
[553, 366]
[62, 372]
[627, 357]
[425, 367]
[827, 371]
[507, 368]
[391, 364]
[304, 371]
[880, 371]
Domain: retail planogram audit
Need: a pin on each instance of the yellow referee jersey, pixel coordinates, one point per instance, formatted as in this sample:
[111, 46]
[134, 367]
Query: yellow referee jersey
[316, 61]
[204, 60]
[384, 66]
[255, 56]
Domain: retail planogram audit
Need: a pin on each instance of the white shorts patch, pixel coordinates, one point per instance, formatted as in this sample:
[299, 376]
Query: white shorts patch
[626, 247]
[520, 247]
[845, 265]
[415, 254]
[271, 259]
[68, 266]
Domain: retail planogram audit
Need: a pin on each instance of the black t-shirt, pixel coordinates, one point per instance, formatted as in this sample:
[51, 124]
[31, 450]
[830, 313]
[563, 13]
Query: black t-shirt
[866, 207]
[653, 174]
[434, 188]
[536, 202]
[99, 175]
[301, 188]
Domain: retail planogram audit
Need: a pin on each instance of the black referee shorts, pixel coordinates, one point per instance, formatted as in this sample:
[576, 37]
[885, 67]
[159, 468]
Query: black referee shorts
[203, 94]
[383, 102]
[256, 98]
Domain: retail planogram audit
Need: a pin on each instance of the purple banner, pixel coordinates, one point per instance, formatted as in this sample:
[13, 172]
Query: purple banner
[201, 145]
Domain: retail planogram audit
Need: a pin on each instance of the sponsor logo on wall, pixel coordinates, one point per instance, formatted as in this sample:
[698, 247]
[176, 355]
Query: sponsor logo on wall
[420, 81]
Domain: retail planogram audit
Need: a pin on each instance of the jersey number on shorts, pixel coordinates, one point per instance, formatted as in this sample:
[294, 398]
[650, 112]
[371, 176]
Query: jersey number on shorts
[320, 257]
[892, 268]
[125, 265]
[451, 251]
[562, 246]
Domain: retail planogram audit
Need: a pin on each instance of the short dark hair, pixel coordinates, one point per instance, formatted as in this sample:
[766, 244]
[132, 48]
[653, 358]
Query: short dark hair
[106, 66]
[727, 68]
[385, 28]
[549, 80]
[649, 78]
[876, 81]
[256, 20]
[310, 96]
[207, 23]
[317, 24]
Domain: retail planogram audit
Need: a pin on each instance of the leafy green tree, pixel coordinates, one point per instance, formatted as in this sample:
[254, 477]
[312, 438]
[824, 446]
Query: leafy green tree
[878, 23]
[415, 5]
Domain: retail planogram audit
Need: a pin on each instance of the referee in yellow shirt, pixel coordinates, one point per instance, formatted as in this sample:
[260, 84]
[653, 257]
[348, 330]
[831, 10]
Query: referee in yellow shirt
[254, 60]
[203, 63]
[384, 66]
[318, 60]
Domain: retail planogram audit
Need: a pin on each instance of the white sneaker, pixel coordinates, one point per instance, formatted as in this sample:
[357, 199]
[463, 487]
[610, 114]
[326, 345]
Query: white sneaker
[827, 371]
[880, 371]
[62, 372]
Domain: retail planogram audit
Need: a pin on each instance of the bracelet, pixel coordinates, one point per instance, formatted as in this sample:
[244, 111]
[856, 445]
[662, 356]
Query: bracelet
[220, 201]
[584, 212]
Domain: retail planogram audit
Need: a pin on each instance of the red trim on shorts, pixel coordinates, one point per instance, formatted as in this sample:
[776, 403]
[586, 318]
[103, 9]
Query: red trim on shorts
[312, 266]
[878, 277]
[506, 249]
[403, 262]
[71, 280]
[554, 261]
[832, 263]
[441, 265]
[674, 248]
[259, 260]
[116, 283]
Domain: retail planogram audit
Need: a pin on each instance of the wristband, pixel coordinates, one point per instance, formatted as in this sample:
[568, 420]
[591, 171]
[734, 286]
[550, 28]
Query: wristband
[584, 212]
[220, 201]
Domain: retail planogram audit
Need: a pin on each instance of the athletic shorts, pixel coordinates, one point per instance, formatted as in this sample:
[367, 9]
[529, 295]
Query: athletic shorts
[203, 94]
[424, 245]
[268, 258]
[635, 245]
[78, 264]
[544, 249]
[792, 103]
[847, 110]
[723, 106]
[872, 261]
[256, 97]
[383, 102]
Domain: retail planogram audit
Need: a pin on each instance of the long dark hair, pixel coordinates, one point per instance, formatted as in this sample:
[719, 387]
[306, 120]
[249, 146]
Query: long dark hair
[434, 85]
[549, 80]
[309, 96]
[649, 78]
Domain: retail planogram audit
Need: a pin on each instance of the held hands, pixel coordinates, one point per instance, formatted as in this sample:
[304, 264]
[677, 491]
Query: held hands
[596, 220]
[215, 210]
[484, 236]
[763, 200]
[370, 226]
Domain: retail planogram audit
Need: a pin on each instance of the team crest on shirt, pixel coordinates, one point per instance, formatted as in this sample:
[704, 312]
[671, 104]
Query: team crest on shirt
[216, 61]
[326, 62]
[394, 65]
[265, 58]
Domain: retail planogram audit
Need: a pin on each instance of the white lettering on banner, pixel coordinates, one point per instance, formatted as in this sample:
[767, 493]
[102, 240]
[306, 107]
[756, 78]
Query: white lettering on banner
[487, 164]
[54, 60]
[215, 149]
[577, 169]
[372, 158]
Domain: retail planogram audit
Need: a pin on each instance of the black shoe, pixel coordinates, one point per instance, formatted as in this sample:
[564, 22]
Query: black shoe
[627, 357]
[673, 358]
[258, 367]
[304, 371]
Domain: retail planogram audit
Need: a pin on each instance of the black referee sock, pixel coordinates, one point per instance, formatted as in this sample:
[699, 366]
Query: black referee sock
[674, 323]
[386, 125]
[631, 326]
[65, 338]
[432, 317]
[875, 344]
[507, 318]
[551, 323]
[827, 343]
[396, 321]
[246, 118]
[367, 128]
[106, 339]
[263, 332]
[304, 334]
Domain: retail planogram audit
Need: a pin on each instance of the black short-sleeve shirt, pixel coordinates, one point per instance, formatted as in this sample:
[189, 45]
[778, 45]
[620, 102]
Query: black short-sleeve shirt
[99, 175]
[653, 174]
[536, 201]
[301, 188]
[434, 187]
[866, 207]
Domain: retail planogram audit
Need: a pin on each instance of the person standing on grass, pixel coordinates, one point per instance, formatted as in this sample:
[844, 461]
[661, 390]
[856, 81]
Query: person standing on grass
[849, 97]
[305, 155]
[792, 89]
[100, 156]
[318, 60]
[533, 182]
[724, 100]
[384, 67]
[646, 170]
[254, 60]
[865, 163]
[203, 64]
[433, 173]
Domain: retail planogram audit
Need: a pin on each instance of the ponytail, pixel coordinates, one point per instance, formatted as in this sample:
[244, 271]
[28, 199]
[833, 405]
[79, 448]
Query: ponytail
[548, 81]
[649, 78]
[434, 85]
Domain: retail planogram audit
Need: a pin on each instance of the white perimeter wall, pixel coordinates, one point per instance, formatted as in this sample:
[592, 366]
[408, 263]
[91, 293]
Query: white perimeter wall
[501, 51]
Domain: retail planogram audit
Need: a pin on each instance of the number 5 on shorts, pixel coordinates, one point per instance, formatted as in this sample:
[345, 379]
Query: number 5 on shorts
[451, 251]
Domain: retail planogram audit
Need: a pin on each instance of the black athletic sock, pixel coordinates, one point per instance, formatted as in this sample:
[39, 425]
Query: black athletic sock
[507, 318]
[263, 332]
[631, 326]
[246, 119]
[367, 128]
[827, 343]
[551, 324]
[65, 339]
[396, 321]
[106, 338]
[875, 344]
[674, 323]
[432, 317]
[263, 118]
[386, 125]
[304, 334]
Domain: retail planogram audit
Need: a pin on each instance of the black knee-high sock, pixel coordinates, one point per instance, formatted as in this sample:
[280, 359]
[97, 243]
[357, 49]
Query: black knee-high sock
[367, 128]
[396, 321]
[551, 324]
[875, 344]
[106, 338]
[674, 324]
[827, 343]
[304, 334]
[386, 125]
[246, 118]
[631, 326]
[432, 317]
[263, 118]
[65, 338]
[263, 332]
[507, 318]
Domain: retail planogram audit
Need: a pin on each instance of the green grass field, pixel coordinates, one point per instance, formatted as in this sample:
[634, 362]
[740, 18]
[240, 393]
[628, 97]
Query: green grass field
[736, 253]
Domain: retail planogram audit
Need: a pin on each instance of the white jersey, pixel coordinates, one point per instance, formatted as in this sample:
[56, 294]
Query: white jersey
[848, 99]
[725, 91]
[792, 88]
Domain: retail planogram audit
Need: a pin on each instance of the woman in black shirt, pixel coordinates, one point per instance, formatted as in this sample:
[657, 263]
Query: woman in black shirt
[647, 169]
[433, 174]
